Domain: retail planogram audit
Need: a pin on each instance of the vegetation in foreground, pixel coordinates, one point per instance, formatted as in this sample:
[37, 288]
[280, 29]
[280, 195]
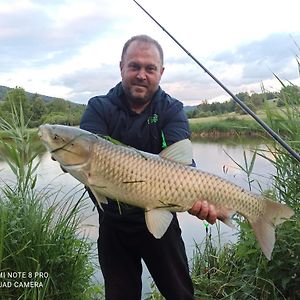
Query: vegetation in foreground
[239, 271]
[42, 253]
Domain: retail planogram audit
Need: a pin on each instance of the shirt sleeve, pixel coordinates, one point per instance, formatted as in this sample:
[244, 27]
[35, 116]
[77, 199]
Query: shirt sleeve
[176, 128]
[94, 116]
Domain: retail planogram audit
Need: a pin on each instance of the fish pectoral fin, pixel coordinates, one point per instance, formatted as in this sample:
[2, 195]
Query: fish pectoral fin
[158, 221]
[181, 152]
[99, 196]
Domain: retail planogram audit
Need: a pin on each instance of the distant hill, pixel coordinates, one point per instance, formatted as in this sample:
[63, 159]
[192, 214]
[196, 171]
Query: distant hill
[5, 89]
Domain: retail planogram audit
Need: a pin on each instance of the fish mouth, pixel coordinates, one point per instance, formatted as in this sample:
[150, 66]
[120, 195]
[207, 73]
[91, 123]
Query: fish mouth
[40, 132]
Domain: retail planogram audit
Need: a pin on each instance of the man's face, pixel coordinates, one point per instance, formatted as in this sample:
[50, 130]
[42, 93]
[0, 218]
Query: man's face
[141, 71]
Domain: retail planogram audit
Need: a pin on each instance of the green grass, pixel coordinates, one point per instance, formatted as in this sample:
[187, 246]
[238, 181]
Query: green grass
[231, 124]
[224, 124]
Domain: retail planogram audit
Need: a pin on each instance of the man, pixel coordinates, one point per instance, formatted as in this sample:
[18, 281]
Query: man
[137, 112]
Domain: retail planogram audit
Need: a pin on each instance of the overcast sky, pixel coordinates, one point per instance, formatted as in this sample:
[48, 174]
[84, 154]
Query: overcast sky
[71, 49]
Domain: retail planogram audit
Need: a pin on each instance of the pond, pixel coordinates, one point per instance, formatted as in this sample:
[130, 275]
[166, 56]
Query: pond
[210, 156]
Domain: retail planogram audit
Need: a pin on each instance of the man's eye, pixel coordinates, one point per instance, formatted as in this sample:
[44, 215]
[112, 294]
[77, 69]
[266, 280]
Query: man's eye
[151, 69]
[134, 67]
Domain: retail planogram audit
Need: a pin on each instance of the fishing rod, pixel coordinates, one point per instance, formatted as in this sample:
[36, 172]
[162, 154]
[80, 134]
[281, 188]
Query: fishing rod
[269, 130]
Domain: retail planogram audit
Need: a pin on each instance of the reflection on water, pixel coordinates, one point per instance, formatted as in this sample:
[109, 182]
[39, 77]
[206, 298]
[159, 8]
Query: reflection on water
[209, 156]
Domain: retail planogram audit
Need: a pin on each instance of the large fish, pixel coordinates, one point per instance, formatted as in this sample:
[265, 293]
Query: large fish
[160, 184]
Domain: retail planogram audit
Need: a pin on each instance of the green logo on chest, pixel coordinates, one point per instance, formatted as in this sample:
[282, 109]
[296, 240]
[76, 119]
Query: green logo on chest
[153, 119]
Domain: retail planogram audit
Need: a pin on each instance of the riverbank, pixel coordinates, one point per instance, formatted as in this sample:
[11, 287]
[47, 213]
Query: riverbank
[228, 125]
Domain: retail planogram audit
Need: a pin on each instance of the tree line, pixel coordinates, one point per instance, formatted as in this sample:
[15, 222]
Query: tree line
[254, 101]
[37, 111]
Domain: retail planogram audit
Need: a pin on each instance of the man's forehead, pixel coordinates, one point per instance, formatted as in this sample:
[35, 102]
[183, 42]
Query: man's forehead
[137, 46]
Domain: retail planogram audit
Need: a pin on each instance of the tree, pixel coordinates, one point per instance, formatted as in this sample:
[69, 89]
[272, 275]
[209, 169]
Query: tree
[38, 110]
[290, 93]
[58, 105]
[257, 99]
[15, 98]
[243, 96]
[250, 105]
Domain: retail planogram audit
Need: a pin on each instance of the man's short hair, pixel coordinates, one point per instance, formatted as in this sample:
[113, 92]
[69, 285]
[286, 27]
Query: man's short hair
[145, 39]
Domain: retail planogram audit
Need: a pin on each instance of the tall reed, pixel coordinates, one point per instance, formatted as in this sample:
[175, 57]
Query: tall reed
[240, 271]
[41, 246]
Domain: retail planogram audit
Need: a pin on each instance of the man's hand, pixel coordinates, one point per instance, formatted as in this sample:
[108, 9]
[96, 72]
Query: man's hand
[204, 211]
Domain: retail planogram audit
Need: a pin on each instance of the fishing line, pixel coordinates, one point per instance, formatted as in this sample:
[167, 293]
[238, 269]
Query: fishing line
[272, 133]
[207, 249]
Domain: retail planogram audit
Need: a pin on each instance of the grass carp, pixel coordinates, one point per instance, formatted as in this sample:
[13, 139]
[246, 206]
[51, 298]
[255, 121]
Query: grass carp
[160, 184]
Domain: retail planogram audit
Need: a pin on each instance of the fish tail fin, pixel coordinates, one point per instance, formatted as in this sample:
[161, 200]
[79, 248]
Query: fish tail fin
[274, 214]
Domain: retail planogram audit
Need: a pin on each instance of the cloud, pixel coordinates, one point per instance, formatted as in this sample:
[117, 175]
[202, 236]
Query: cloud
[243, 68]
[33, 35]
[71, 49]
[259, 59]
[86, 83]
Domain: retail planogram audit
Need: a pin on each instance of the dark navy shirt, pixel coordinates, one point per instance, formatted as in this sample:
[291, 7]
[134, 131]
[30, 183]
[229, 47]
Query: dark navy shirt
[162, 123]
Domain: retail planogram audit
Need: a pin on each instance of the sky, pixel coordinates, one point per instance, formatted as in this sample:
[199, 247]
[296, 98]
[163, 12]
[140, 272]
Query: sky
[71, 49]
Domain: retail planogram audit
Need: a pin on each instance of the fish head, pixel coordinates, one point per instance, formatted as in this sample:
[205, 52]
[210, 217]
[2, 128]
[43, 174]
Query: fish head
[68, 145]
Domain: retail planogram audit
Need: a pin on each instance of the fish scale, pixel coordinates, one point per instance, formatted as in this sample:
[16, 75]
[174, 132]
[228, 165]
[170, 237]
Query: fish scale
[160, 184]
[193, 184]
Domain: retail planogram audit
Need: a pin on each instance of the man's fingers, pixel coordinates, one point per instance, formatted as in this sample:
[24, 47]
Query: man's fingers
[196, 208]
[204, 211]
[212, 215]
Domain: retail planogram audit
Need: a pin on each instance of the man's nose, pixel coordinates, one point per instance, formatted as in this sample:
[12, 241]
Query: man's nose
[141, 74]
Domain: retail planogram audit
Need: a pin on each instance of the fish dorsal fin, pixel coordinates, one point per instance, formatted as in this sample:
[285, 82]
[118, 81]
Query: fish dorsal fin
[181, 152]
[158, 221]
